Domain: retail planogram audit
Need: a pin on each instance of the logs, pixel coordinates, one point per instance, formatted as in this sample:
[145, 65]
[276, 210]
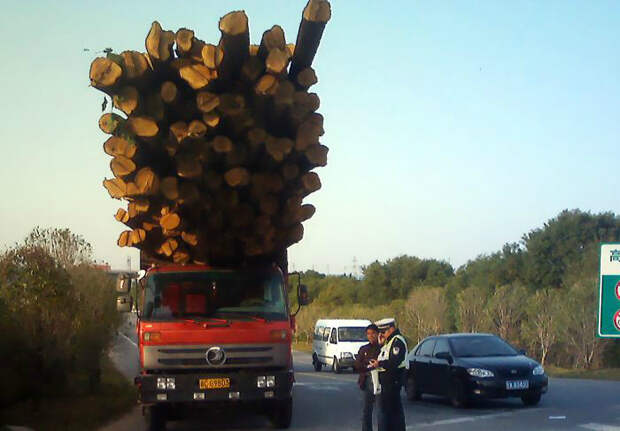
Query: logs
[213, 146]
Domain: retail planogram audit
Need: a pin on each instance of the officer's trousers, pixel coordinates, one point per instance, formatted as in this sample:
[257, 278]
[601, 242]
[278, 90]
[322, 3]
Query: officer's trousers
[391, 417]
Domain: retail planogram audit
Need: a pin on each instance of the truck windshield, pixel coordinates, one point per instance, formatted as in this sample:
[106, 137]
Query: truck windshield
[212, 294]
[352, 334]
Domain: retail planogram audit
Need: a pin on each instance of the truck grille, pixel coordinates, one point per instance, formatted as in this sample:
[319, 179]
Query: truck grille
[237, 356]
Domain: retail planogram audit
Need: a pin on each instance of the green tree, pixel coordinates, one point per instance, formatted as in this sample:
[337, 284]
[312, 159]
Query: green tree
[506, 309]
[471, 305]
[541, 327]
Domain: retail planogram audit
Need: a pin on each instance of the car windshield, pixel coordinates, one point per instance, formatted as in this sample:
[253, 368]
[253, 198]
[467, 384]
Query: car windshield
[204, 295]
[352, 334]
[481, 346]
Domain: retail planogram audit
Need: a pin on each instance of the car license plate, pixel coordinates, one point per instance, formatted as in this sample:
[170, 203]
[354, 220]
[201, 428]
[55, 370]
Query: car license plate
[215, 383]
[517, 384]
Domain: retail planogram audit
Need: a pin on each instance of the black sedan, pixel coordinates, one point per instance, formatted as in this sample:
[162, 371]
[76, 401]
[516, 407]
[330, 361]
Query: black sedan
[465, 367]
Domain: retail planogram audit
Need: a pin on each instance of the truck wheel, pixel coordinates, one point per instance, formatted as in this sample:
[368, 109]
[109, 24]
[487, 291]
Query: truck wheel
[316, 363]
[155, 418]
[336, 366]
[282, 413]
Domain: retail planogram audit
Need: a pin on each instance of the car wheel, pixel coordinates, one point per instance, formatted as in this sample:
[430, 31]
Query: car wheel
[282, 413]
[458, 398]
[411, 389]
[531, 399]
[155, 418]
[316, 363]
[336, 366]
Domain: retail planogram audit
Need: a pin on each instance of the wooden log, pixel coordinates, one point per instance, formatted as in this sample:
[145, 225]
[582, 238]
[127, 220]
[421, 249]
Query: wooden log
[212, 56]
[306, 212]
[179, 131]
[221, 144]
[289, 171]
[170, 221]
[122, 166]
[277, 61]
[291, 49]
[169, 187]
[168, 247]
[104, 73]
[190, 238]
[269, 204]
[266, 85]
[168, 92]
[181, 256]
[110, 123]
[116, 146]
[310, 182]
[231, 104]
[252, 69]
[207, 101]
[146, 181]
[196, 129]
[148, 226]
[306, 78]
[137, 236]
[278, 148]
[116, 187]
[198, 76]
[132, 190]
[317, 155]
[235, 42]
[138, 206]
[126, 99]
[188, 166]
[159, 43]
[135, 65]
[272, 39]
[309, 132]
[315, 16]
[211, 119]
[142, 126]
[237, 177]
[294, 234]
[184, 39]
[124, 239]
[121, 215]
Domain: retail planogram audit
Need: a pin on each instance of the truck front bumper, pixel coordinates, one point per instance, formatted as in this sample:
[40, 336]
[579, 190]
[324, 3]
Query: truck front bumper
[243, 387]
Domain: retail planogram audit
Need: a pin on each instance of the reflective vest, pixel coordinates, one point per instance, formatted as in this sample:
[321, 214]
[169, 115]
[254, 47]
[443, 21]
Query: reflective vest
[384, 355]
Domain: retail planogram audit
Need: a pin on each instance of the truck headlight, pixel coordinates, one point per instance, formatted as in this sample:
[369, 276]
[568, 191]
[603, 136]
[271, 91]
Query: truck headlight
[171, 383]
[346, 355]
[271, 381]
[161, 383]
[480, 372]
[538, 371]
[261, 382]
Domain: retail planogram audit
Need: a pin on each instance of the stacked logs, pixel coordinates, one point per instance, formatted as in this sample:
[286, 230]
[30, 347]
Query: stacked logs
[216, 148]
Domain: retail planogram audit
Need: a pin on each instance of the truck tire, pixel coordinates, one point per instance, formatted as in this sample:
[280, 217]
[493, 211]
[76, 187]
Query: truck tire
[155, 418]
[282, 413]
[316, 363]
[336, 366]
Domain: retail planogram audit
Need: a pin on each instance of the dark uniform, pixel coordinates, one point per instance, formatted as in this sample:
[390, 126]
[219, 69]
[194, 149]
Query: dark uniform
[392, 373]
[364, 355]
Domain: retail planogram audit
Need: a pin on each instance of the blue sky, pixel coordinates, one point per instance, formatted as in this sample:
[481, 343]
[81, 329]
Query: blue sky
[453, 126]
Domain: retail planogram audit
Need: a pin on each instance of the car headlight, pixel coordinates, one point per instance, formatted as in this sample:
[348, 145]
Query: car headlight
[480, 372]
[346, 355]
[538, 371]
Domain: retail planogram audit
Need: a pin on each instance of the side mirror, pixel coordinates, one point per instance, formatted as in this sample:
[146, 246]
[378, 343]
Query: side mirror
[445, 356]
[124, 303]
[522, 352]
[123, 283]
[302, 294]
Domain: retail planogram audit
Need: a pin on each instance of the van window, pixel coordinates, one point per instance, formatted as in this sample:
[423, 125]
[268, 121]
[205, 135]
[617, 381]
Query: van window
[318, 333]
[332, 339]
[326, 334]
[354, 333]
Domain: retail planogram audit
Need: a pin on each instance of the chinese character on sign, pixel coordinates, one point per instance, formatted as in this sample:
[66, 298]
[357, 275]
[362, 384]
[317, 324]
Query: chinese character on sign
[614, 256]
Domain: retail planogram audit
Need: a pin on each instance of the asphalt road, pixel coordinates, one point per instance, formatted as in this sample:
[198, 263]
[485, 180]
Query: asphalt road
[326, 401]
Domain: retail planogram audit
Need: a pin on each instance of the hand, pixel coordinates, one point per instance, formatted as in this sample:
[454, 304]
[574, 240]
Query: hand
[373, 363]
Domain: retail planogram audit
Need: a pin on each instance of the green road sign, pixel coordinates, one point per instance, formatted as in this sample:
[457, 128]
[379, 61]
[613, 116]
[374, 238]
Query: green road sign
[609, 291]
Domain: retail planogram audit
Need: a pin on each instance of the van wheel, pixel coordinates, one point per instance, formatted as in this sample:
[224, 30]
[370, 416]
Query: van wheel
[336, 366]
[316, 363]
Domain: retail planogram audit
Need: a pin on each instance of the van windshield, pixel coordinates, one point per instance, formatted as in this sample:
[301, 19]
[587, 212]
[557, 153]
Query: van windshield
[352, 334]
[230, 295]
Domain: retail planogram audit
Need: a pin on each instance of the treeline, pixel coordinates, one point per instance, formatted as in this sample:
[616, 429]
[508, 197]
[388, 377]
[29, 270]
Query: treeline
[540, 293]
[57, 317]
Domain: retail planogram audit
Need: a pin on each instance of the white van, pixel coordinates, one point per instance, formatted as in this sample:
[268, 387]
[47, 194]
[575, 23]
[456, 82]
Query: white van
[337, 341]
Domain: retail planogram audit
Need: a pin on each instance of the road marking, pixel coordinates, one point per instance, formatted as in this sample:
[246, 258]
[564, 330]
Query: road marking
[557, 417]
[128, 339]
[600, 427]
[459, 420]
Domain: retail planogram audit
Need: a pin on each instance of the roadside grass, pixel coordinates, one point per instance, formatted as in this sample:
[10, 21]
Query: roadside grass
[569, 373]
[80, 412]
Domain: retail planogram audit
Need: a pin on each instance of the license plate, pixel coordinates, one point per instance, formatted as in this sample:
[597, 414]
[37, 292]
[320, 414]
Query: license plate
[215, 383]
[517, 384]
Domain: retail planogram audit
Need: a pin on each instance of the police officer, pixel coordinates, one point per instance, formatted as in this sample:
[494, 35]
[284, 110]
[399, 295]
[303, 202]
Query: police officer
[391, 364]
[365, 354]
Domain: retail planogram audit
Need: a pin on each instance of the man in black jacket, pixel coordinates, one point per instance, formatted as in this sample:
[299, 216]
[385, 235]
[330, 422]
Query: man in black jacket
[392, 366]
[365, 354]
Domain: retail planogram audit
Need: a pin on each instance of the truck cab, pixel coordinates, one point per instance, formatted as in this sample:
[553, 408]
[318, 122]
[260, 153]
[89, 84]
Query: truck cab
[212, 336]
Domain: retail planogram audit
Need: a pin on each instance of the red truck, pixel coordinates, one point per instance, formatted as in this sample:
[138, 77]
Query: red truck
[213, 336]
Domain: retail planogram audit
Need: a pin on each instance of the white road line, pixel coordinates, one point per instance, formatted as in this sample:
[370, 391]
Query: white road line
[128, 339]
[600, 427]
[459, 420]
